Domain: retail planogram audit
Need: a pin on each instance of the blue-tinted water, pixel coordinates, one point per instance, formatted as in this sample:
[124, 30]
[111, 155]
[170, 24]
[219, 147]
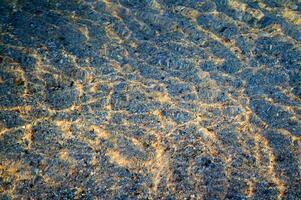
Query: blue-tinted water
[153, 99]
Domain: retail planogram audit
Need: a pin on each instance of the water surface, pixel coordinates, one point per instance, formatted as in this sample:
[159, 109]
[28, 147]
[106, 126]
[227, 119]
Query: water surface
[153, 99]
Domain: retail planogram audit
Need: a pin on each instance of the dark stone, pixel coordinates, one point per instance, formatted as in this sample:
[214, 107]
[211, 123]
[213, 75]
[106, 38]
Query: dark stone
[11, 119]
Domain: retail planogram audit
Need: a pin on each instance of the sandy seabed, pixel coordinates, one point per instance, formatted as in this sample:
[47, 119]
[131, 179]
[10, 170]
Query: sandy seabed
[150, 99]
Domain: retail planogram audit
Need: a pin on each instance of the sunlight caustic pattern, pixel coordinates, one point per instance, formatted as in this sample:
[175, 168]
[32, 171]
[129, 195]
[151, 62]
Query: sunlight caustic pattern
[158, 99]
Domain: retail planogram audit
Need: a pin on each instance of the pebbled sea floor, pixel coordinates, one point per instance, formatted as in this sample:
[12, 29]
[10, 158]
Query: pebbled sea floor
[150, 99]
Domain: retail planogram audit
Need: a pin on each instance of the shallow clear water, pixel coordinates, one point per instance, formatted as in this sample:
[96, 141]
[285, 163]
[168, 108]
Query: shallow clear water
[150, 99]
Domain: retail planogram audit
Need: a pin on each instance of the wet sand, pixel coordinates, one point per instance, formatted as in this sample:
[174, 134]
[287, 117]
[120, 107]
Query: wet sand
[155, 99]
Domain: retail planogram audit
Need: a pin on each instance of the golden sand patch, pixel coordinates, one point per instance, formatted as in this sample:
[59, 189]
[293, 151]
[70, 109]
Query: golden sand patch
[100, 132]
[161, 97]
[65, 127]
[64, 155]
[292, 16]
[159, 165]
[120, 160]
[85, 32]
[112, 34]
